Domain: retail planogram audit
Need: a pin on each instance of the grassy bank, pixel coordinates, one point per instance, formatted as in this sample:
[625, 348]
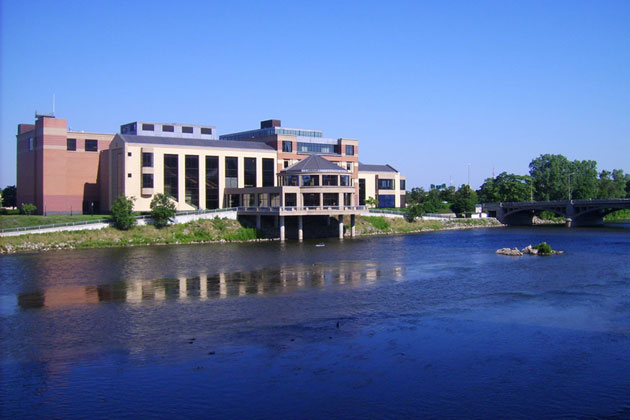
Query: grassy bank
[617, 216]
[13, 221]
[206, 230]
[373, 225]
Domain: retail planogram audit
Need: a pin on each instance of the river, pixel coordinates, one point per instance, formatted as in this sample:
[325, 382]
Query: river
[429, 326]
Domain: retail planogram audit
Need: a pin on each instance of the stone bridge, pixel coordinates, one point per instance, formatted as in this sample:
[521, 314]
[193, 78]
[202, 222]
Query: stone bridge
[577, 212]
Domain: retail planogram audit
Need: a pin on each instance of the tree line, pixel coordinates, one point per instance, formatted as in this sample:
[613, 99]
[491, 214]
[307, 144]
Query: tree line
[551, 177]
[554, 177]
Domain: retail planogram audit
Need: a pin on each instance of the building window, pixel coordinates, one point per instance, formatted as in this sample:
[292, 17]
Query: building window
[361, 192]
[171, 180]
[331, 199]
[349, 150]
[187, 130]
[387, 201]
[250, 172]
[31, 143]
[330, 180]
[71, 144]
[263, 200]
[319, 148]
[268, 172]
[147, 180]
[310, 180]
[347, 199]
[345, 180]
[147, 127]
[129, 154]
[212, 182]
[290, 199]
[290, 181]
[191, 167]
[385, 184]
[287, 146]
[129, 175]
[206, 130]
[311, 200]
[286, 164]
[402, 184]
[349, 166]
[91, 145]
[168, 128]
[147, 160]
[231, 172]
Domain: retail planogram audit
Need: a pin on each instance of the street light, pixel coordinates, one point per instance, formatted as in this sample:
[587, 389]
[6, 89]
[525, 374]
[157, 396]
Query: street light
[572, 173]
[469, 174]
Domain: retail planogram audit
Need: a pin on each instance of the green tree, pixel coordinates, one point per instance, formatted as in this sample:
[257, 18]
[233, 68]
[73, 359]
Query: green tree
[162, 210]
[448, 194]
[550, 176]
[583, 179]
[28, 208]
[465, 200]
[9, 196]
[504, 188]
[371, 201]
[416, 195]
[413, 211]
[122, 213]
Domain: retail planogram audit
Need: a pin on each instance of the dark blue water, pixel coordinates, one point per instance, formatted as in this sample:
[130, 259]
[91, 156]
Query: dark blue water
[419, 326]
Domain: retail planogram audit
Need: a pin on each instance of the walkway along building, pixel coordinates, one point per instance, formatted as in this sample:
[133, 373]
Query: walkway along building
[273, 167]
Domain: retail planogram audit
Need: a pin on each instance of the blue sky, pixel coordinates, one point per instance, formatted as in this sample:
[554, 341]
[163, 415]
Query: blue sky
[427, 87]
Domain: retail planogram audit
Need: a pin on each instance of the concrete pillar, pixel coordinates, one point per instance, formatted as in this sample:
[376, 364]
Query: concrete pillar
[282, 229]
[352, 225]
[340, 226]
[300, 229]
[258, 222]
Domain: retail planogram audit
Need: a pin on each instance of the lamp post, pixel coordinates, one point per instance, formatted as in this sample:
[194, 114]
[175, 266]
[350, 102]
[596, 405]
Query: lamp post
[572, 173]
[469, 174]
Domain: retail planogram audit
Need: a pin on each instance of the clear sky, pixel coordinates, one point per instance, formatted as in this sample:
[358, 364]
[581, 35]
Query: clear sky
[428, 87]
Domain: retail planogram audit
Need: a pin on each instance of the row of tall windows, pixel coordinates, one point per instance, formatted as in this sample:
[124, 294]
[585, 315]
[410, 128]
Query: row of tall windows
[191, 170]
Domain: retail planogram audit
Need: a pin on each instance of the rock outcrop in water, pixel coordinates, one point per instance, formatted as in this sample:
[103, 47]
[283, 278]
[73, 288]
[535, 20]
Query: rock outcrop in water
[541, 249]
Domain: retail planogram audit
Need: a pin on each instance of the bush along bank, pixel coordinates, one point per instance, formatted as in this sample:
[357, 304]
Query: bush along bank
[198, 231]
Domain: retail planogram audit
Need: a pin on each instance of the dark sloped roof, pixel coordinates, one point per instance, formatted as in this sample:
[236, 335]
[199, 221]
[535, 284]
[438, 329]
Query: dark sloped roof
[375, 168]
[314, 163]
[178, 141]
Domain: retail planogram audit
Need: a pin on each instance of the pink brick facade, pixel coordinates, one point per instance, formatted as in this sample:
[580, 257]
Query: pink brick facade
[58, 180]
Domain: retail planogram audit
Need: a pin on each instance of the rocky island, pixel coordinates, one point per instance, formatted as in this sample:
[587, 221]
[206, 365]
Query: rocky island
[542, 249]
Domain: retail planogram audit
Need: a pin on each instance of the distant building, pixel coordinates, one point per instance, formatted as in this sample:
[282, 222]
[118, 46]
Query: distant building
[62, 171]
[383, 183]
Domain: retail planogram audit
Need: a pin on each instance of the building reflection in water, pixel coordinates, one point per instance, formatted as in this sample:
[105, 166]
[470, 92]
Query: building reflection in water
[215, 286]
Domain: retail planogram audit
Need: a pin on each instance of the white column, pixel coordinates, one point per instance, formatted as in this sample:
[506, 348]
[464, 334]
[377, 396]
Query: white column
[352, 225]
[300, 229]
[203, 287]
[340, 226]
[281, 228]
[182, 288]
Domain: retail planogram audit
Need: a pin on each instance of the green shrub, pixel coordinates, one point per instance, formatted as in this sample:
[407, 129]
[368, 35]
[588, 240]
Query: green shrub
[28, 208]
[379, 223]
[162, 210]
[543, 248]
[122, 213]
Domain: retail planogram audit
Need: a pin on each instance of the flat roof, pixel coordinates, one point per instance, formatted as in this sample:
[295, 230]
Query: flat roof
[179, 141]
